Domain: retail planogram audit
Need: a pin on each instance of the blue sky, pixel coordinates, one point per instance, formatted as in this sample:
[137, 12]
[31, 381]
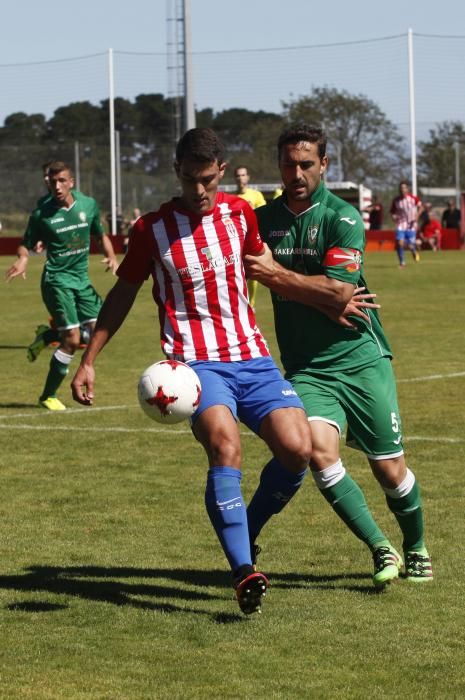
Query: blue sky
[46, 32]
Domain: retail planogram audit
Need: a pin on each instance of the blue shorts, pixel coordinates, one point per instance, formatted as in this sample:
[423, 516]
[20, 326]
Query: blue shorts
[251, 389]
[409, 236]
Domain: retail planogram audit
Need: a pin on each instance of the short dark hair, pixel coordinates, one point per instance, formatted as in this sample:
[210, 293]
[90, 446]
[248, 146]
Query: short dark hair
[202, 145]
[57, 166]
[241, 167]
[301, 131]
[45, 166]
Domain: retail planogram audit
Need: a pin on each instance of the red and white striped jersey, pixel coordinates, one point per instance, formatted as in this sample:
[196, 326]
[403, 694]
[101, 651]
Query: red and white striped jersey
[404, 210]
[199, 283]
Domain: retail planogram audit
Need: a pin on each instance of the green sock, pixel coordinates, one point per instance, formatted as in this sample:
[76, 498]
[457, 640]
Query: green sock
[57, 372]
[347, 499]
[409, 514]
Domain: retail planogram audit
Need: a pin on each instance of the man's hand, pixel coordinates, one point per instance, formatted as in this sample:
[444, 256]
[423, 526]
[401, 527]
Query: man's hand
[260, 267]
[355, 307]
[111, 264]
[82, 386]
[17, 269]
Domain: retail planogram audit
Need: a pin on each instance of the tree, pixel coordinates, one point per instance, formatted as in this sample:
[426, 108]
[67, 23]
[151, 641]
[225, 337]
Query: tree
[363, 143]
[436, 161]
[78, 121]
[21, 128]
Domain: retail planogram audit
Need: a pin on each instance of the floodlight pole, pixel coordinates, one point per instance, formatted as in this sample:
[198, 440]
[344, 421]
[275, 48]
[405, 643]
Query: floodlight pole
[111, 109]
[77, 166]
[413, 138]
[189, 111]
[457, 173]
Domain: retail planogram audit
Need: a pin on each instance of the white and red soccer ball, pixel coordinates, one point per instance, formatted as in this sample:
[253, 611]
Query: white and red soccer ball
[169, 391]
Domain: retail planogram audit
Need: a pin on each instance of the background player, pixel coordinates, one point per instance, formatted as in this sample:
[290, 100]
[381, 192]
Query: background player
[65, 222]
[405, 210]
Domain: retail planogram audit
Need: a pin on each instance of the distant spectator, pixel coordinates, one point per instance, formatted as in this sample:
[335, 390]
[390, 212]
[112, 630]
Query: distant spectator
[375, 214]
[451, 216]
[430, 230]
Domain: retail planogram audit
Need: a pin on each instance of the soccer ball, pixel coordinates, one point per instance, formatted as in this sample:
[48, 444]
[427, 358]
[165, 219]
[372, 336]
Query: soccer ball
[169, 391]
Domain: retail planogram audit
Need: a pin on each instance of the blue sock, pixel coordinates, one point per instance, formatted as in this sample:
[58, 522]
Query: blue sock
[276, 488]
[401, 254]
[228, 515]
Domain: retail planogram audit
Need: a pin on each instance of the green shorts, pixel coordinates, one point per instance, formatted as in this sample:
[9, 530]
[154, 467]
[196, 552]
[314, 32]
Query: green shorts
[71, 308]
[364, 401]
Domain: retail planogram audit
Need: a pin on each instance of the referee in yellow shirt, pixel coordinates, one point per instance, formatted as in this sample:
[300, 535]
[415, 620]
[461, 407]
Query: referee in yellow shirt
[255, 199]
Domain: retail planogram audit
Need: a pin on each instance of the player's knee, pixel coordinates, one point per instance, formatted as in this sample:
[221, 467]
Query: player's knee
[322, 456]
[389, 472]
[297, 449]
[222, 450]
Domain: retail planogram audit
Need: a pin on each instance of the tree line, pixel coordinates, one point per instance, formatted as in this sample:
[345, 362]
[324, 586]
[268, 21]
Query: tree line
[364, 146]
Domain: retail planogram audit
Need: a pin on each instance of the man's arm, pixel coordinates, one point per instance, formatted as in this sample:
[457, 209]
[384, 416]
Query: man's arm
[20, 266]
[337, 300]
[115, 308]
[305, 289]
[106, 248]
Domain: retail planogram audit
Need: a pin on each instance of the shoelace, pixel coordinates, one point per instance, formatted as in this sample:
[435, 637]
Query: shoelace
[417, 563]
[380, 556]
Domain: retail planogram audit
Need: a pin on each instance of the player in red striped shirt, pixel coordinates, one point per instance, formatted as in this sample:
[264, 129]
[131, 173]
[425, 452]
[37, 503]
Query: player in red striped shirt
[405, 210]
[193, 247]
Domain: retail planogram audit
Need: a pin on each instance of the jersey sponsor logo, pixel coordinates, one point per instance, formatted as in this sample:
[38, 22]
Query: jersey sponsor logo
[288, 392]
[295, 251]
[70, 228]
[213, 263]
[352, 222]
[348, 258]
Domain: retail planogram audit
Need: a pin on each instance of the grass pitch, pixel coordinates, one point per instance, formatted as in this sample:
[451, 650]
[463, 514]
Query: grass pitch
[112, 584]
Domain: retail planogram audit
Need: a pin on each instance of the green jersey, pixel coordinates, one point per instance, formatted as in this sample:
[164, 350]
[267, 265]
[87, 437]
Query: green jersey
[66, 235]
[326, 239]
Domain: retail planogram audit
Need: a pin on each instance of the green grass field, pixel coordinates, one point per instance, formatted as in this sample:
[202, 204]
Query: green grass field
[112, 584]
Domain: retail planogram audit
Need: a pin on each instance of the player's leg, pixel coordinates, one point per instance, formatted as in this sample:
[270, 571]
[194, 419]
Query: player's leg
[323, 400]
[88, 304]
[375, 426]
[404, 501]
[44, 336]
[411, 242]
[400, 247]
[270, 407]
[215, 427]
[287, 434]
[61, 304]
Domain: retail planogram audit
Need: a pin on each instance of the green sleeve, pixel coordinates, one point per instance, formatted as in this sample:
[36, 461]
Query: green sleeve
[32, 233]
[343, 258]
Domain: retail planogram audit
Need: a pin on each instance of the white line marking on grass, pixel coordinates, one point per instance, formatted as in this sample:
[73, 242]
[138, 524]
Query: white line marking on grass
[178, 431]
[432, 376]
[41, 413]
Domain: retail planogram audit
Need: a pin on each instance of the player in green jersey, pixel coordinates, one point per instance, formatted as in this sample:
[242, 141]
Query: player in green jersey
[65, 222]
[342, 374]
